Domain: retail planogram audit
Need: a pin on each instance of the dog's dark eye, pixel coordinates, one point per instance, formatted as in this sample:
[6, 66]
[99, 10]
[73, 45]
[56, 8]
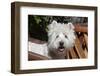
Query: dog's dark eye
[57, 36]
[66, 36]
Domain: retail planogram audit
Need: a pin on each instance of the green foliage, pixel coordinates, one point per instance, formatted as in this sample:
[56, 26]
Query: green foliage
[37, 26]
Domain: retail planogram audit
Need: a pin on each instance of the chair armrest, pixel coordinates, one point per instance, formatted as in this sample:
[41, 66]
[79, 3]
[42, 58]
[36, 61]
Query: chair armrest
[35, 56]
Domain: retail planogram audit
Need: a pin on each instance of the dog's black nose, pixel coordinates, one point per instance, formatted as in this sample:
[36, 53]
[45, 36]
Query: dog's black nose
[61, 43]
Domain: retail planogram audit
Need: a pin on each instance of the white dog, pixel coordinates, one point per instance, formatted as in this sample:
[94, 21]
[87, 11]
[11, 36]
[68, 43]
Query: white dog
[61, 37]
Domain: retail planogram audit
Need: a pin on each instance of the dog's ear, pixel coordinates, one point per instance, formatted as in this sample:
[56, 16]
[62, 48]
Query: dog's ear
[51, 26]
[70, 25]
[54, 22]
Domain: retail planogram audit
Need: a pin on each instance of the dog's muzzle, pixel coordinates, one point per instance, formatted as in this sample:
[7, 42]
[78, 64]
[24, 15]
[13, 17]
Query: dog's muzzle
[61, 46]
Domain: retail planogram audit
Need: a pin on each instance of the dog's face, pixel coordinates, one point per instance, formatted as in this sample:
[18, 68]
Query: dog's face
[61, 36]
[61, 42]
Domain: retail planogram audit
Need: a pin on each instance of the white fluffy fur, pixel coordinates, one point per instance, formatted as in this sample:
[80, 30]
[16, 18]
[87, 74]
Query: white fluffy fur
[57, 33]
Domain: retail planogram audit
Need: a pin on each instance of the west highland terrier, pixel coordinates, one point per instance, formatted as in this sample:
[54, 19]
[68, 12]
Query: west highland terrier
[61, 38]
